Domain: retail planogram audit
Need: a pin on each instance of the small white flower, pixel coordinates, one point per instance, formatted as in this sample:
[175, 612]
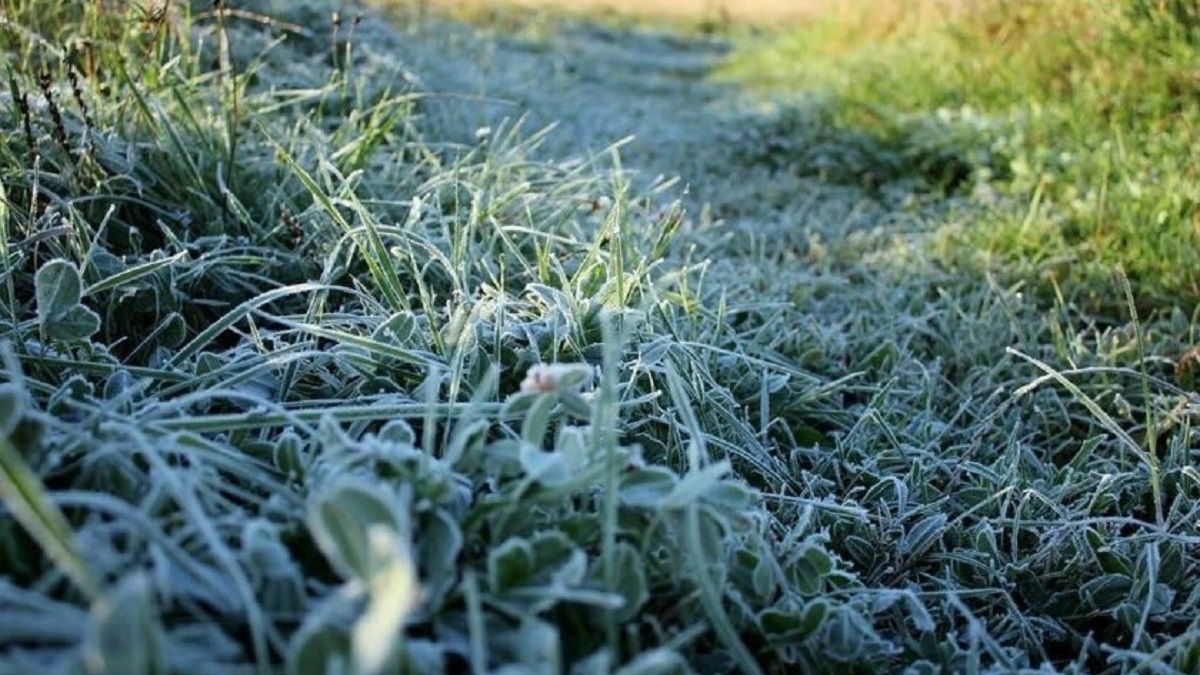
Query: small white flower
[553, 377]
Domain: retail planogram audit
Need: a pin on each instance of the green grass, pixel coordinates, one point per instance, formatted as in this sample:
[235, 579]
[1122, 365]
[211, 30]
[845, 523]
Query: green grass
[1081, 113]
[302, 377]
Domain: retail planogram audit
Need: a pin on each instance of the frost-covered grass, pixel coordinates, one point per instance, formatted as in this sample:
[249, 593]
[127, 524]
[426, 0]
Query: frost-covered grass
[314, 363]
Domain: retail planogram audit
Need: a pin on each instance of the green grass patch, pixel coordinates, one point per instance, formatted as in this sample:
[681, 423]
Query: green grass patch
[1081, 114]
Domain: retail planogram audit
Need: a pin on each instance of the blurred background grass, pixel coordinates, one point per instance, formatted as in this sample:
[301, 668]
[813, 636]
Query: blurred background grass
[1080, 112]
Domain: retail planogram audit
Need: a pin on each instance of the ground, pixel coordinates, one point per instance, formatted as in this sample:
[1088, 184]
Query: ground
[655, 92]
[747, 10]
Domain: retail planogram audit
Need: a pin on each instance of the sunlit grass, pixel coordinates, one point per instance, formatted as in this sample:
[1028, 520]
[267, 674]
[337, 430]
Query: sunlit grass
[1081, 112]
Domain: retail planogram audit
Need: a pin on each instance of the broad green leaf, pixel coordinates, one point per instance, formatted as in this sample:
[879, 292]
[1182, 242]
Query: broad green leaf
[77, 323]
[574, 376]
[75, 388]
[731, 497]
[124, 636]
[845, 635]
[279, 581]
[763, 578]
[264, 553]
[397, 330]
[780, 625]
[1106, 592]
[818, 558]
[540, 646]
[318, 648]
[922, 535]
[790, 624]
[173, 331]
[808, 569]
[814, 615]
[58, 288]
[711, 529]
[1110, 560]
[340, 520]
[630, 576]
[439, 542]
[647, 487]
[542, 572]
[548, 468]
[572, 444]
[289, 456]
[208, 362]
[117, 384]
[862, 550]
[694, 485]
[1128, 615]
[510, 565]
[103, 264]
[1161, 600]
[1176, 563]
[398, 431]
[575, 405]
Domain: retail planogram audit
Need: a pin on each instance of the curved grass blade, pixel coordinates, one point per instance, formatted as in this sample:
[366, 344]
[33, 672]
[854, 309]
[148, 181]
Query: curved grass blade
[133, 274]
[344, 413]
[24, 495]
[1105, 421]
[375, 254]
[236, 314]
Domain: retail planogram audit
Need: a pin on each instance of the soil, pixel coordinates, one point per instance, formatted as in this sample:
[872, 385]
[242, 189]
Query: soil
[746, 166]
[756, 11]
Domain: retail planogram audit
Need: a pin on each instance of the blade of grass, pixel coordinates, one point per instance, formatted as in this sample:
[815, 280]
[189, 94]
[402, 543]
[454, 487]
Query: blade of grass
[375, 253]
[710, 593]
[237, 314]
[26, 498]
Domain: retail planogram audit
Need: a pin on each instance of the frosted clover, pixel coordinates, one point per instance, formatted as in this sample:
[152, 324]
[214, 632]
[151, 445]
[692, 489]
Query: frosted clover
[556, 377]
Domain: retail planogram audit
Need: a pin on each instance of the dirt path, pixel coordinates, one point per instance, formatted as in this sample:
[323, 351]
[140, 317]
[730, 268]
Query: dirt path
[738, 10]
[753, 170]
[597, 85]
